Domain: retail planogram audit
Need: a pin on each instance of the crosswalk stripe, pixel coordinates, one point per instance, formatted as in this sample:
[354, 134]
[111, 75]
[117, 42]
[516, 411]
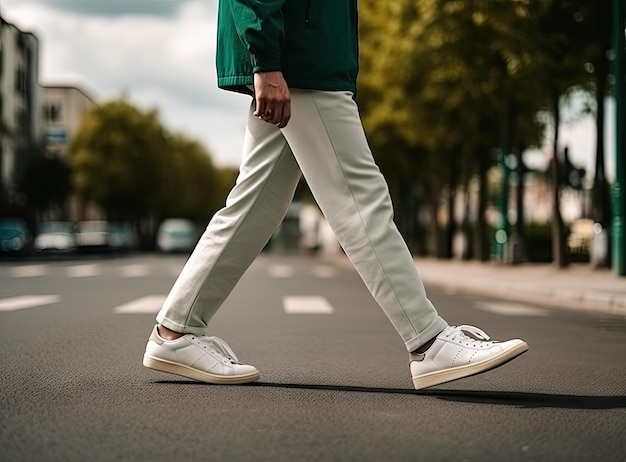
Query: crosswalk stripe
[512, 309]
[147, 304]
[27, 301]
[307, 305]
[83, 271]
[280, 271]
[134, 271]
[324, 271]
[29, 271]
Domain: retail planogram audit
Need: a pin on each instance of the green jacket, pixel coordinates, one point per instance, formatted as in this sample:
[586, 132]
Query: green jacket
[313, 42]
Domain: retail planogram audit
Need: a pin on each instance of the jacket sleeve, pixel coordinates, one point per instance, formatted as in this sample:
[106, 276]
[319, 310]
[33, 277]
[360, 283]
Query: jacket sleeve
[260, 26]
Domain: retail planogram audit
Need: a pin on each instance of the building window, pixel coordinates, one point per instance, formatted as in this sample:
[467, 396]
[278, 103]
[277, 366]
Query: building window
[52, 112]
[20, 80]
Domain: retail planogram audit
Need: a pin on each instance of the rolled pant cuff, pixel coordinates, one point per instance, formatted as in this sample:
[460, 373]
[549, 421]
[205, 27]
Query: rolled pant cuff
[434, 329]
[180, 328]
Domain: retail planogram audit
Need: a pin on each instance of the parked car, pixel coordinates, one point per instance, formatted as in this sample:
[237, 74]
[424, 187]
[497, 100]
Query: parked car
[177, 235]
[92, 235]
[15, 237]
[55, 237]
[121, 237]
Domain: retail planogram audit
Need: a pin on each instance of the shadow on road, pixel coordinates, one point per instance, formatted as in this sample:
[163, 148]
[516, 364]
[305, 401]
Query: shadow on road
[507, 398]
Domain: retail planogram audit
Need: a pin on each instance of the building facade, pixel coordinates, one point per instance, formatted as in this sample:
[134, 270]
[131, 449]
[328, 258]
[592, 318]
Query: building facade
[21, 137]
[63, 110]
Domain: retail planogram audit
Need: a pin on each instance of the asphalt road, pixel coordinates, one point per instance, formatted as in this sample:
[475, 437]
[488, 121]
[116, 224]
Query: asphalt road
[335, 384]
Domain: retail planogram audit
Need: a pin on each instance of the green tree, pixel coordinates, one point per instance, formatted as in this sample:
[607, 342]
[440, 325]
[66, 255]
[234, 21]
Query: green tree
[119, 161]
[444, 83]
[193, 189]
[596, 61]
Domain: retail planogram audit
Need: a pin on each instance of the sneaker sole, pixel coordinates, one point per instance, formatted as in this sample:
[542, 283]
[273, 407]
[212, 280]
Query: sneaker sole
[170, 367]
[459, 372]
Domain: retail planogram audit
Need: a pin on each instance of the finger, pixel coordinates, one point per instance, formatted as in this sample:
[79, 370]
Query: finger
[259, 112]
[276, 115]
[285, 116]
[261, 107]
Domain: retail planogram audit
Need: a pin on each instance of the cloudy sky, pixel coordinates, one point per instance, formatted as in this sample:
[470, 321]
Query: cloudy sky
[161, 53]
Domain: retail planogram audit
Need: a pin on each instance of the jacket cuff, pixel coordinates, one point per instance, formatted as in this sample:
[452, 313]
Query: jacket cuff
[262, 63]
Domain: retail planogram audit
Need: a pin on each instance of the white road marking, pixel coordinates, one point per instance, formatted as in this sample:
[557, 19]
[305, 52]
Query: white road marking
[83, 271]
[324, 271]
[27, 301]
[280, 271]
[307, 305]
[147, 304]
[512, 309]
[134, 271]
[29, 271]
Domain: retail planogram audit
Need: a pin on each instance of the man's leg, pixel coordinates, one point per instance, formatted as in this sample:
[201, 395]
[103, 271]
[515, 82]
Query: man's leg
[327, 139]
[237, 233]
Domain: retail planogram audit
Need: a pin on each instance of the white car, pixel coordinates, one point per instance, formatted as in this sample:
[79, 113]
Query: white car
[55, 237]
[177, 235]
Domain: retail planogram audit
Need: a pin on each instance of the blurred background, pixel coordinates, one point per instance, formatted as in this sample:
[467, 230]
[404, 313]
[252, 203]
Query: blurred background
[493, 122]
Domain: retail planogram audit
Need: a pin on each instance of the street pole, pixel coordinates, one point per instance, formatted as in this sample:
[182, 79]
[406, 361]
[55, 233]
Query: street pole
[618, 196]
[502, 230]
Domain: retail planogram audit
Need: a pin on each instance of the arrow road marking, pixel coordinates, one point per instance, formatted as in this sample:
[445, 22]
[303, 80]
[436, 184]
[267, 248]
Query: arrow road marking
[307, 305]
[27, 301]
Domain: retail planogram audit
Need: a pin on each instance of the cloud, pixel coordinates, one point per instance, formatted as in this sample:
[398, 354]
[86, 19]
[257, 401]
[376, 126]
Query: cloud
[115, 7]
[157, 61]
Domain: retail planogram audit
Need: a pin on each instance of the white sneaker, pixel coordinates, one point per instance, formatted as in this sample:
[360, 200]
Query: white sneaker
[202, 358]
[455, 355]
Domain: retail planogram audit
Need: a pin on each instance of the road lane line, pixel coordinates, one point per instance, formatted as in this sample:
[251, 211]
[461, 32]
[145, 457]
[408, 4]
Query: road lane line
[29, 271]
[280, 270]
[307, 305]
[512, 309]
[83, 271]
[134, 271]
[27, 301]
[143, 305]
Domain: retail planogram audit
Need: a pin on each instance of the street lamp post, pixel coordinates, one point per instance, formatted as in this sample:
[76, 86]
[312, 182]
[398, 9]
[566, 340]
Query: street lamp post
[618, 196]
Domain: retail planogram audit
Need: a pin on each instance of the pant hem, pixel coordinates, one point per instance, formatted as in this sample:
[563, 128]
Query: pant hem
[424, 336]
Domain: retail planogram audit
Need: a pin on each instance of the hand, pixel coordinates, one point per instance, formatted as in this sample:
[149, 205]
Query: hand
[273, 99]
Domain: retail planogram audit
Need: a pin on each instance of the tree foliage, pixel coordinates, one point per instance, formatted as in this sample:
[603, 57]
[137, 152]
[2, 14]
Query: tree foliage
[447, 84]
[118, 160]
[123, 160]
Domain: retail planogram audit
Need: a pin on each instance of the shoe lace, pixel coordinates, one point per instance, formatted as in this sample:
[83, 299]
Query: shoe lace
[459, 333]
[222, 348]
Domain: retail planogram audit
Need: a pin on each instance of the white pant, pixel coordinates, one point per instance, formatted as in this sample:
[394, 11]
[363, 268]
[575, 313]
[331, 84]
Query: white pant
[325, 141]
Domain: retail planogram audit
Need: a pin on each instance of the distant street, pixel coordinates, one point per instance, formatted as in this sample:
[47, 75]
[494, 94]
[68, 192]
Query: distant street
[335, 384]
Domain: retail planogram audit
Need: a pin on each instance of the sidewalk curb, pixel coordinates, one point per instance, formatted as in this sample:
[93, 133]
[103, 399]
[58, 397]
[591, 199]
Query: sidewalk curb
[575, 300]
[578, 288]
[555, 289]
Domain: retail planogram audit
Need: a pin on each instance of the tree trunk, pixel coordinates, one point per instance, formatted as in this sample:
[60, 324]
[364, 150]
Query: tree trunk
[481, 239]
[559, 256]
[600, 191]
[519, 235]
